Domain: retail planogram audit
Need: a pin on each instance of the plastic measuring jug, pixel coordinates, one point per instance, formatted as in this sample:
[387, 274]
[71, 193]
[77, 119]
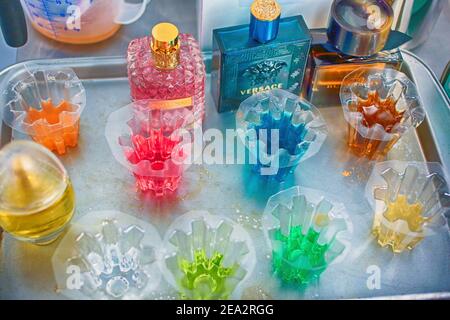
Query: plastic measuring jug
[82, 21]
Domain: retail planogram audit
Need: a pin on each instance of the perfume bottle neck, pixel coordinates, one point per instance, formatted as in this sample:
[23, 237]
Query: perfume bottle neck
[166, 60]
[264, 20]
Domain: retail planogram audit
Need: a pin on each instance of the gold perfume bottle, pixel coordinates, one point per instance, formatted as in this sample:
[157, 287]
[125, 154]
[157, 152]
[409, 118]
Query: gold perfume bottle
[36, 196]
[358, 34]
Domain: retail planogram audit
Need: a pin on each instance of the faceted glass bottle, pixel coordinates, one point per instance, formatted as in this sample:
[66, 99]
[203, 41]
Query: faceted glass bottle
[168, 66]
[269, 53]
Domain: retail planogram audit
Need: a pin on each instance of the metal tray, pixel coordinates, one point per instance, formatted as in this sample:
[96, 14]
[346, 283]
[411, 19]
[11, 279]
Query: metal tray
[102, 184]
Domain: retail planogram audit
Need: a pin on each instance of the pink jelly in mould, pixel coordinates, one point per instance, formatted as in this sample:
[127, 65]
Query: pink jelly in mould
[154, 153]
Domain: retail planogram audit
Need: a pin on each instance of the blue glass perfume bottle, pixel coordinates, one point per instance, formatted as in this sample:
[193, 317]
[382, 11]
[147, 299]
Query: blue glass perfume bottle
[269, 53]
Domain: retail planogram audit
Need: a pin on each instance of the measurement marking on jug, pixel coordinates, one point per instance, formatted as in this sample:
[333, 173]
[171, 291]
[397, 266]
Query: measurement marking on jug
[47, 13]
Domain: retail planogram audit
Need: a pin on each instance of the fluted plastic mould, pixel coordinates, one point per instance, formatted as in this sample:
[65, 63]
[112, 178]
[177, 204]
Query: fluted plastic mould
[379, 105]
[46, 104]
[108, 255]
[153, 144]
[280, 130]
[409, 202]
[305, 232]
[208, 256]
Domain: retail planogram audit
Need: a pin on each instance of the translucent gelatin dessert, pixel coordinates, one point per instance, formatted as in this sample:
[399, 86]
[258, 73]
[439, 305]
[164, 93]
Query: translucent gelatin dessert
[306, 232]
[168, 66]
[409, 200]
[37, 200]
[47, 104]
[380, 105]
[280, 130]
[208, 257]
[150, 143]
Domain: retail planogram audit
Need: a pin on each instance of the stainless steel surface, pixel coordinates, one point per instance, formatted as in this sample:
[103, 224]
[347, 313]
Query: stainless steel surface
[436, 50]
[425, 296]
[424, 26]
[102, 184]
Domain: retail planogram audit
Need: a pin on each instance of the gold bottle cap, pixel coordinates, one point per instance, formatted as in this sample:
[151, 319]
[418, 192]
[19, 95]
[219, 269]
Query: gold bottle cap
[265, 10]
[165, 45]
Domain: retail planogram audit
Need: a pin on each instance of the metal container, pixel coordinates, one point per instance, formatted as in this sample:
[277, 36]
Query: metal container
[102, 184]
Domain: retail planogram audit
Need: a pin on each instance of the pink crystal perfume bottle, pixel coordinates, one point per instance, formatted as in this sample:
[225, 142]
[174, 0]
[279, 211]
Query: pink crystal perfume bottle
[169, 67]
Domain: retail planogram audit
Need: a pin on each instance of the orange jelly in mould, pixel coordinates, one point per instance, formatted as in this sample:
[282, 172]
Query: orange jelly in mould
[55, 127]
[375, 110]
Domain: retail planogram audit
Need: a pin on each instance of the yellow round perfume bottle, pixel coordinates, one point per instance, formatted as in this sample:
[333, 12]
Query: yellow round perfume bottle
[37, 199]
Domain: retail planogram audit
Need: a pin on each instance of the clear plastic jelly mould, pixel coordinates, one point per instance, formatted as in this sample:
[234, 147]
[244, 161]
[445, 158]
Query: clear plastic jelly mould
[300, 127]
[108, 255]
[154, 144]
[46, 104]
[306, 232]
[380, 105]
[207, 256]
[409, 201]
